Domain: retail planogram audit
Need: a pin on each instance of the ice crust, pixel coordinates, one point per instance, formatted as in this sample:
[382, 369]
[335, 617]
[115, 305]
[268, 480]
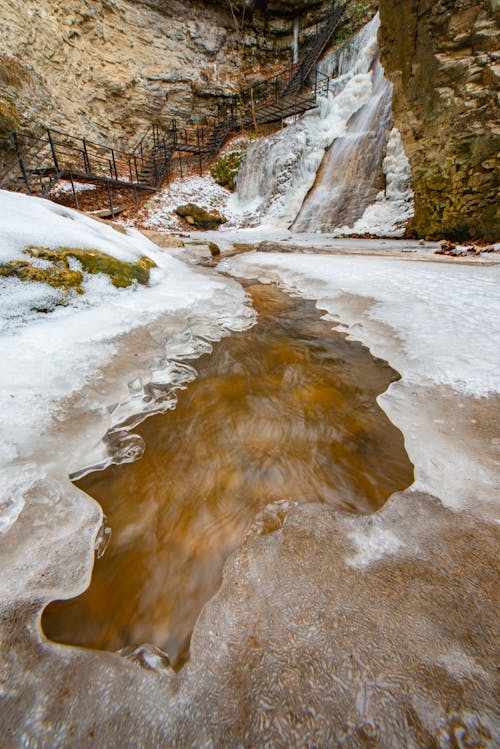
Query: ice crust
[51, 358]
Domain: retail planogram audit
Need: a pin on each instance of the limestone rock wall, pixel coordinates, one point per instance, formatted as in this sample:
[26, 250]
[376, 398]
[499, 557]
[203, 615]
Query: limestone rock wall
[444, 61]
[105, 69]
[108, 68]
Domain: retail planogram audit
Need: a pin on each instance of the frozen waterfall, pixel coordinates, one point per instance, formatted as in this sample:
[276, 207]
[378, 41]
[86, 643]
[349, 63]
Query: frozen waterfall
[340, 168]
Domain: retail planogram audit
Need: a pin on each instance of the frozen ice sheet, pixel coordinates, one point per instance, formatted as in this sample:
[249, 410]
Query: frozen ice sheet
[51, 357]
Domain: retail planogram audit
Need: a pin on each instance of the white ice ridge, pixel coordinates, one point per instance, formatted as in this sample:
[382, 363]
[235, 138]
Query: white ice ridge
[50, 357]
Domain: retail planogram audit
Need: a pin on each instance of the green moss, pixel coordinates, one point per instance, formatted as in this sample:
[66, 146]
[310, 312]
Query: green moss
[120, 272]
[58, 278]
[59, 275]
[225, 170]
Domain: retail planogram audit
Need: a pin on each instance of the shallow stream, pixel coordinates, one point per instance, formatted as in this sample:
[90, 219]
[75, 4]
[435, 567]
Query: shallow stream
[285, 410]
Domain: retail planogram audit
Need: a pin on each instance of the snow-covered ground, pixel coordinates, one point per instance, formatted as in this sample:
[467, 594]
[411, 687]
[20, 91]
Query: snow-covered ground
[159, 212]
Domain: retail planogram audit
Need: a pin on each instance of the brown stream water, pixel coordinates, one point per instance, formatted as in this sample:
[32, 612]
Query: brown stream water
[285, 410]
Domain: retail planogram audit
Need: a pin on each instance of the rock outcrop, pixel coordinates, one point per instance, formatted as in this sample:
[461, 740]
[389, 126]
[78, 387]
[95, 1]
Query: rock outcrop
[199, 217]
[106, 69]
[443, 60]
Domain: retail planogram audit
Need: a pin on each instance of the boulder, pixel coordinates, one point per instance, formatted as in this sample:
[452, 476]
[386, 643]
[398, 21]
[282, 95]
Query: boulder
[200, 217]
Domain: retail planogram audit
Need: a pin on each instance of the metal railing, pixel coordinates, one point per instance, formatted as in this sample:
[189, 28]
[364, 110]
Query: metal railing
[34, 163]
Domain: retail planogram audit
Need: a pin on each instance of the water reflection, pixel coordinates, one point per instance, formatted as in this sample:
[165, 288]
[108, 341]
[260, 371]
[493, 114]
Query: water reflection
[285, 410]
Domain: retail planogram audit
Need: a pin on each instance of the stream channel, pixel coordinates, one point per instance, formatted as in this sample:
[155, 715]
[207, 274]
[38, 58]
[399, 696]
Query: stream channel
[283, 411]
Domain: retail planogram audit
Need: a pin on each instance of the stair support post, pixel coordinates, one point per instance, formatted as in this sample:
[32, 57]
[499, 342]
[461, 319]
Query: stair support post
[75, 196]
[21, 162]
[199, 152]
[53, 150]
[114, 162]
[110, 199]
[86, 156]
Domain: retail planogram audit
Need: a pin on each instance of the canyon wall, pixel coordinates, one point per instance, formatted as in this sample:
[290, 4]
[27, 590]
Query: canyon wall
[443, 59]
[107, 69]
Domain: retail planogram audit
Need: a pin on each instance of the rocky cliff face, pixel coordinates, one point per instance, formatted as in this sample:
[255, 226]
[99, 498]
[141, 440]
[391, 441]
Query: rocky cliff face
[106, 69]
[442, 57]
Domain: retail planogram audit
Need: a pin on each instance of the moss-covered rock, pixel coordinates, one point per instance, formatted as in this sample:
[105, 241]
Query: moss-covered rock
[54, 275]
[445, 74]
[121, 273]
[225, 170]
[200, 217]
[58, 272]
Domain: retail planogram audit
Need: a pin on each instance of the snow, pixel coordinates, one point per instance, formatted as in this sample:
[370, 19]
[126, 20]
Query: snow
[26, 221]
[64, 187]
[48, 358]
[159, 212]
[373, 544]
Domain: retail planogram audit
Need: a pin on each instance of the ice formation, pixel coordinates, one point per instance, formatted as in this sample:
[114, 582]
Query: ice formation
[324, 172]
[393, 207]
[280, 170]
[61, 356]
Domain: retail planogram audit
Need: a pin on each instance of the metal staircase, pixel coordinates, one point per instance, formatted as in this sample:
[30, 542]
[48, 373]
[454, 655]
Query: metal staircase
[33, 165]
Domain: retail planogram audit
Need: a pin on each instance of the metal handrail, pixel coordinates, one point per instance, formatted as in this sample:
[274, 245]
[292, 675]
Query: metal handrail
[57, 153]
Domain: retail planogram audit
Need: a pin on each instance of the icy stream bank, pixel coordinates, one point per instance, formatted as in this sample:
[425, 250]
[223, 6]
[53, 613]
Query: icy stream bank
[424, 319]
[328, 630]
